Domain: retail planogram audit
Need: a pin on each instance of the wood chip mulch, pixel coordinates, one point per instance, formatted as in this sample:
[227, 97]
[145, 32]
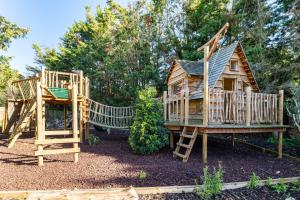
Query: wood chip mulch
[113, 164]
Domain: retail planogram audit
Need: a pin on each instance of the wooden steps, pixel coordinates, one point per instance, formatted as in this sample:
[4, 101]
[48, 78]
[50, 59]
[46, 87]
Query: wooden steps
[56, 151]
[188, 147]
[58, 141]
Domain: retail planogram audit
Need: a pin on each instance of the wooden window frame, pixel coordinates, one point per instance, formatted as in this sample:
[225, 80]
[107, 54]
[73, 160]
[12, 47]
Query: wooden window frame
[230, 65]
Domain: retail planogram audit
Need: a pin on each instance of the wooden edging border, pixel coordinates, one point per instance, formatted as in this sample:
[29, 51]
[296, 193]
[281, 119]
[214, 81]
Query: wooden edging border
[139, 190]
[268, 150]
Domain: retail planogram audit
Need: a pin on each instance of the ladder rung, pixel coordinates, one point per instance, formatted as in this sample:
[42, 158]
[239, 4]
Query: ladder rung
[60, 132]
[179, 154]
[186, 135]
[58, 141]
[56, 151]
[184, 145]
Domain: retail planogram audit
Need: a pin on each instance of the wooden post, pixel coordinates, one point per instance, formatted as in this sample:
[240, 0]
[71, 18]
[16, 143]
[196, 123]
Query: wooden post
[87, 95]
[165, 105]
[205, 86]
[248, 106]
[280, 120]
[280, 144]
[5, 118]
[171, 139]
[40, 121]
[74, 121]
[65, 117]
[204, 147]
[280, 107]
[181, 106]
[186, 106]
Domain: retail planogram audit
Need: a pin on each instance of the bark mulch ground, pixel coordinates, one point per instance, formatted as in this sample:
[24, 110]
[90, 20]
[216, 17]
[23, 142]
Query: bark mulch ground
[262, 193]
[113, 164]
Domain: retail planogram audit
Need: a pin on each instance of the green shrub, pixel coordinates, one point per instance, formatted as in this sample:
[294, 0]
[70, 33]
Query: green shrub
[253, 182]
[280, 187]
[93, 140]
[142, 174]
[147, 132]
[212, 183]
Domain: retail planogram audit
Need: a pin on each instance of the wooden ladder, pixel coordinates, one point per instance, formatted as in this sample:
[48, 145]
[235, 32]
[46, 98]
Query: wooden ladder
[185, 135]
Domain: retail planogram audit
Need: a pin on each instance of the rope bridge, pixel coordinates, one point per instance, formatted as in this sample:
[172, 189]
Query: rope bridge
[109, 116]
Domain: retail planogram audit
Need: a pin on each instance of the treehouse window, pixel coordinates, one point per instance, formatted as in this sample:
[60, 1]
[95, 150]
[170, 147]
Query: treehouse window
[229, 84]
[233, 65]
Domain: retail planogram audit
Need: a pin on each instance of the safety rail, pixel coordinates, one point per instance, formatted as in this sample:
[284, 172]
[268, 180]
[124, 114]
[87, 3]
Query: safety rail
[225, 107]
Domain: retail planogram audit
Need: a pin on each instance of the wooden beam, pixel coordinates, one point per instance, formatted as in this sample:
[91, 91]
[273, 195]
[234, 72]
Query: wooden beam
[172, 139]
[58, 141]
[39, 122]
[165, 105]
[56, 151]
[248, 106]
[204, 148]
[280, 107]
[74, 122]
[205, 86]
[280, 143]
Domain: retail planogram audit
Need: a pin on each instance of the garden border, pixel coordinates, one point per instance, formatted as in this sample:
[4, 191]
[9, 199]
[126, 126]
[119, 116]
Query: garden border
[130, 192]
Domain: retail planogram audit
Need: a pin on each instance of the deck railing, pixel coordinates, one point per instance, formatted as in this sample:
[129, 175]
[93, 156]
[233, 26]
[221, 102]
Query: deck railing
[226, 107]
[55, 79]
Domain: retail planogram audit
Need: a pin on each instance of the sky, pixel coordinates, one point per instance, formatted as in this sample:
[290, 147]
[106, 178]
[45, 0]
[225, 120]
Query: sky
[47, 20]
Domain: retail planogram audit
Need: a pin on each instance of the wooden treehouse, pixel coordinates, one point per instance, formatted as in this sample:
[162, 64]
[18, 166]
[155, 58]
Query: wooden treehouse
[28, 103]
[215, 95]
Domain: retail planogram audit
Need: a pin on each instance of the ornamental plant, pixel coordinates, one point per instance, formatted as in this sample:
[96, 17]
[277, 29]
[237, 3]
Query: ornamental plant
[212, 183]
[147, 132]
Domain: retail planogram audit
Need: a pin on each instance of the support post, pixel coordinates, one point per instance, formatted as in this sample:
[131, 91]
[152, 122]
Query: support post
[181, 106]
[204, 147]
[248, 106]
[40, 121]
[171, 139]
[232, 139]
[65, 117]
[205, 86]
[186, 107]
[87, 95]
[280, 144]
[280, 120]
[5, 118]
[74, 121]
[165, 105]
[280, 108]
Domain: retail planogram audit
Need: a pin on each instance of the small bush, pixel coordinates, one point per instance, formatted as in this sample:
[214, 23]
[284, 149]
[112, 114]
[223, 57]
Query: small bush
[147, 133]
[212, 183]
[253, 182]
[93, 140]
[280, 187]
[269, 182]
[142, 174]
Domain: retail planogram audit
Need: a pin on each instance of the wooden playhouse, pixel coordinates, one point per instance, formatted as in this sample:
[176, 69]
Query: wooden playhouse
[218, 94]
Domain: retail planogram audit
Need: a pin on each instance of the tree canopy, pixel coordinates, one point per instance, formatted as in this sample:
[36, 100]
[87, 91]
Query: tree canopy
[122, 49]
[8, 32]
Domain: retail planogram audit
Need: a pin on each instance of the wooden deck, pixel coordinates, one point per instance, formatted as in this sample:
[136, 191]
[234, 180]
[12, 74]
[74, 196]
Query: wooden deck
[205, 130]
